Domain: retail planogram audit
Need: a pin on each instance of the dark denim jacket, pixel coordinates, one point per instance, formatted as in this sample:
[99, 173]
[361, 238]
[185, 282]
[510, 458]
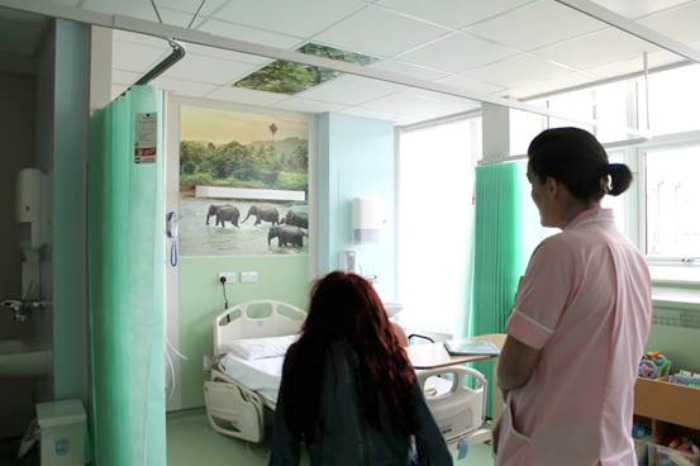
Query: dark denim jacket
[347, 440]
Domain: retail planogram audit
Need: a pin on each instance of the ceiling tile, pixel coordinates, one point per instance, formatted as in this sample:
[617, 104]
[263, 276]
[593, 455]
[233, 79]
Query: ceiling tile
[406, 69]
[470, 84]
[350, 90]
[70, 3]
[191, 6]
[301, 18]
[184, 87]
[596, 49]
[246, 96]
[681, 24]
[548, 85]
[412, 120]
[222, 54]
[134, 38]
[136, 57]
[299, 104]
[517, 71]
[373, 114]
[208, 70]
[178, 86]
[538, 24]
[634, 65]
[452, 13]
[637, 8]
[244, 33]
[456, 53]
[138, 9]
[379, 33]
[422, 103]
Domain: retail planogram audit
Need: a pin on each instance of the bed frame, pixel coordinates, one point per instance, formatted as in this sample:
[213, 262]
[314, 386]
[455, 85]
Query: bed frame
[232, 409]
[236, 411]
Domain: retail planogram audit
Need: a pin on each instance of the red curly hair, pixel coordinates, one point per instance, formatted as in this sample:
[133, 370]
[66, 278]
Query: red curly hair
[345, 306]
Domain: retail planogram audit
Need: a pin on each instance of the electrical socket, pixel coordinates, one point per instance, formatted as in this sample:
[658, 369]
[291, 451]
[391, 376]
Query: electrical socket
[230, 277]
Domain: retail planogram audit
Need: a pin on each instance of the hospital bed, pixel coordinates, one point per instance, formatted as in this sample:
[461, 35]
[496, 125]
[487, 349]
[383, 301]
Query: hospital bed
[250, 340]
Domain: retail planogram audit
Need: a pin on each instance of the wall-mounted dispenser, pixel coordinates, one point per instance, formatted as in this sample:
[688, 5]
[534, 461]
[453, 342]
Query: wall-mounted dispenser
[31, 208]
[368, 219]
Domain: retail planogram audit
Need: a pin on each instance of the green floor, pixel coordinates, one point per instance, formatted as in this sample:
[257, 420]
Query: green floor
[191, 442]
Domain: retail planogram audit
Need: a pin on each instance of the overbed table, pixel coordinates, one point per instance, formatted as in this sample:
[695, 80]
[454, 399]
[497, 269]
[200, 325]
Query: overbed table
[434, 355]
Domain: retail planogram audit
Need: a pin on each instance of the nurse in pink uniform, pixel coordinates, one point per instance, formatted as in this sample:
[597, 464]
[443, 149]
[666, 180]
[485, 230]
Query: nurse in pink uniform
[580, 321]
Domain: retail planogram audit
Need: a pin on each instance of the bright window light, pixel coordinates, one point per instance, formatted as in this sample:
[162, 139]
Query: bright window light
[611, 111]
[524, 127]
[672, 193]
[436, 178]
[674, 100]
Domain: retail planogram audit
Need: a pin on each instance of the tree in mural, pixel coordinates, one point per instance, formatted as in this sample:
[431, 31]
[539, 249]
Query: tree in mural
[278, 165]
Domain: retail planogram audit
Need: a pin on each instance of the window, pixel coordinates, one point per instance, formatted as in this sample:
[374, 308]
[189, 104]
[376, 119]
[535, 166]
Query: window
[612, 102]
[674, 100]
[524, 126]
[436, 177]
[672, 194]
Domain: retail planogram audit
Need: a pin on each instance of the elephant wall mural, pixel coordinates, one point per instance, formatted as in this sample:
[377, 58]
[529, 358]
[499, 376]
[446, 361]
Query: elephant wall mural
[263, 212]
[243, 187]
[224, 213]
[287, 235]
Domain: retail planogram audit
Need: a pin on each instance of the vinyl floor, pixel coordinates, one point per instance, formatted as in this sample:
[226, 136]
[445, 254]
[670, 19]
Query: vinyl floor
[191, 442]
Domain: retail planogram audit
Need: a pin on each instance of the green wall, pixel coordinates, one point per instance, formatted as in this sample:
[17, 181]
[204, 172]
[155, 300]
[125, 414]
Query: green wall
[285, 278]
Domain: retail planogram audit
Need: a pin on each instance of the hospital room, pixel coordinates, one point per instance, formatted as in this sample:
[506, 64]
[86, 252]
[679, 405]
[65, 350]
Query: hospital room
[184, 180]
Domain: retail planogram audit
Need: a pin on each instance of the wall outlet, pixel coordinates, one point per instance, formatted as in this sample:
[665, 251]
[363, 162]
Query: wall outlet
[231, 277]
[206, 362]
[249, 277]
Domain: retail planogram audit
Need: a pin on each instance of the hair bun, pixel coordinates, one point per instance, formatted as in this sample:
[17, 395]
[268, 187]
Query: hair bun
[621, 178]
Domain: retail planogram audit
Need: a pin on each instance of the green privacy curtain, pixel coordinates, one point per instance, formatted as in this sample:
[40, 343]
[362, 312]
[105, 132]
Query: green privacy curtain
[506, 232]
[125, 261]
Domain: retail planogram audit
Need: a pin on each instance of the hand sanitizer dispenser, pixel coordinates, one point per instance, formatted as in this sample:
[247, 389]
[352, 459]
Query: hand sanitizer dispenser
[30, 208]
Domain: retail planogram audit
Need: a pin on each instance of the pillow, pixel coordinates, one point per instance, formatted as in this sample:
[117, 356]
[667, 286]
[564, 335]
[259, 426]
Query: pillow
[259, 348]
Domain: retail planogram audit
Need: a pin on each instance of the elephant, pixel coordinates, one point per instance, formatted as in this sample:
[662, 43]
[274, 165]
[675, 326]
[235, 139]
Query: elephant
[286, 234]
[266, 212]
[299, 219]
[224, 213]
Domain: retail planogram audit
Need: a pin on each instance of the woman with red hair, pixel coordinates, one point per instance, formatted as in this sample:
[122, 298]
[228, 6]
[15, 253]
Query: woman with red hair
[348, 390]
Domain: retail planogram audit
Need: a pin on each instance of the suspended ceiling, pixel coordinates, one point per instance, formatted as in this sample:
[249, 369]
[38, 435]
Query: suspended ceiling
[508, 48]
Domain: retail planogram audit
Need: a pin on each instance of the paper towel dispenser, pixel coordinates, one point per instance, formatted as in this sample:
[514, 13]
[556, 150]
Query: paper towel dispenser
[368, 219]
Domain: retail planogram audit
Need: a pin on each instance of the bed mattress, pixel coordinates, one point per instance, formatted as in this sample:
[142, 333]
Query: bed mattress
[260, 375]
[264, 376]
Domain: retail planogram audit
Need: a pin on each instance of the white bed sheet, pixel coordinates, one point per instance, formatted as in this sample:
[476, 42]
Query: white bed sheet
[265, 375]
[260, 375]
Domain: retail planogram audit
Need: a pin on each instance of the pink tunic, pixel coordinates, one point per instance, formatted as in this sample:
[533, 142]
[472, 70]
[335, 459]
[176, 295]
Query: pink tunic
[585, 303]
